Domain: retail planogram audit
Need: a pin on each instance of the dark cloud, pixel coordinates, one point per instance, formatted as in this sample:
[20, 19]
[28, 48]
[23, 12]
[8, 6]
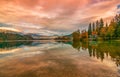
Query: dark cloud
[118, 7]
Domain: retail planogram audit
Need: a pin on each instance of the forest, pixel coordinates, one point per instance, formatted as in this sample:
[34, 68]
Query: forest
[100, 30]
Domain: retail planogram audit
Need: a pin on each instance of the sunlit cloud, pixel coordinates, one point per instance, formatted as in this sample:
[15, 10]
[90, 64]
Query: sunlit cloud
[57, 16]
[7, 28]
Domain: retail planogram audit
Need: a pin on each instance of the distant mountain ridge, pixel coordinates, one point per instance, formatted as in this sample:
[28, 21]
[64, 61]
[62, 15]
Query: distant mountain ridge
[6, 34]
[14, 34]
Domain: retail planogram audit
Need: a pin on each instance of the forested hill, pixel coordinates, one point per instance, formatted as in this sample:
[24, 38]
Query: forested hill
[12, 35]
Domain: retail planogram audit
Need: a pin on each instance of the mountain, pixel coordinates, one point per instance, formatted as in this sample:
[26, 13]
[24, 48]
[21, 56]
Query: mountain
[38, 36]
[12, 34]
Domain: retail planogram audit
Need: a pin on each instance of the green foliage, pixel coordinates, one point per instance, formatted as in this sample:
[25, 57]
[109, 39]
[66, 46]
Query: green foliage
[14, 44]
[100, 30]
[93, 27]
[100, 49]
[97, 27]
[90, 29]
[13, 36]
[101, 23]
[117, 30]
[111, 29]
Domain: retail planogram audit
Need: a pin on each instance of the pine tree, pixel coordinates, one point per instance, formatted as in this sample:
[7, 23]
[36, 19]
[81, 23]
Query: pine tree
[101, 23]
[90, 29]
[101, 26]
[98, 27]
[106, 25]
[93, 26]
[117, 29]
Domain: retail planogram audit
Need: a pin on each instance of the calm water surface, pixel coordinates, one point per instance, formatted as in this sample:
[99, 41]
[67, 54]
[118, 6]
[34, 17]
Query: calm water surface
[59, 59]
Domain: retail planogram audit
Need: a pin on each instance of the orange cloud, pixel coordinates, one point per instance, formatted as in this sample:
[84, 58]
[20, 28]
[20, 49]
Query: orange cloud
[61, 15]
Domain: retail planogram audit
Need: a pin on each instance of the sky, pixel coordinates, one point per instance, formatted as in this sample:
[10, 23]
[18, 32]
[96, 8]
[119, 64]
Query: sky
[54, 16]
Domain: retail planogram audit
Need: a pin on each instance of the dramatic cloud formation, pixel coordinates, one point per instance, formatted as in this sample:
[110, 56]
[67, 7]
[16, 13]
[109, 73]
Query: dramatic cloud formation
[55, 16]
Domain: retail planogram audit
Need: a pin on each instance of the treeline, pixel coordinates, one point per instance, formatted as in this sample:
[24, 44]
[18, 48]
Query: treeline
[13, 36]
[100, 30]
[13, 44]
[100, 50]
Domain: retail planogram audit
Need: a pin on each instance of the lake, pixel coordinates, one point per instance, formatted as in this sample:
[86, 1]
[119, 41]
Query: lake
[60, 59]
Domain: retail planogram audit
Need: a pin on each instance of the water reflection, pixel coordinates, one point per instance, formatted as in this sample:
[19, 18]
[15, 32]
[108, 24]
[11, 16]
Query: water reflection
[58, 59]
[13, 44]
[100, 50]
[5, 46]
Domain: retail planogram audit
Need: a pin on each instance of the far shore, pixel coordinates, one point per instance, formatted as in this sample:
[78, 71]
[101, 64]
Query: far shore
[50, 40]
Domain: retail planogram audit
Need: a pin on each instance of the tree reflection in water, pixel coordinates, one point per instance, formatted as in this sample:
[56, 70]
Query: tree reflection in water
[100, 50]
[5, 46]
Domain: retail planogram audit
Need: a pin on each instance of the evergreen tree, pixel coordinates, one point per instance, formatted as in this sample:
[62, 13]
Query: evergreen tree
[90, 29]
[98, 27]
[101, 23]
[117, 29]
[106, 25]
[93, 27]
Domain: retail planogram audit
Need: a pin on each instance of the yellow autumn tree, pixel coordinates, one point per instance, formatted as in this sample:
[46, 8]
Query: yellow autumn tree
[111, 29]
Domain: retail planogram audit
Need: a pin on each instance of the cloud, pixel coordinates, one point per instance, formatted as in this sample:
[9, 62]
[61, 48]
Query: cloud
[118, 9]
[55, 15]
[7, 28]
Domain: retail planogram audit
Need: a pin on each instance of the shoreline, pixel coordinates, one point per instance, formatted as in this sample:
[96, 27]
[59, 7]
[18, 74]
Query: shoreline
[32, 40]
